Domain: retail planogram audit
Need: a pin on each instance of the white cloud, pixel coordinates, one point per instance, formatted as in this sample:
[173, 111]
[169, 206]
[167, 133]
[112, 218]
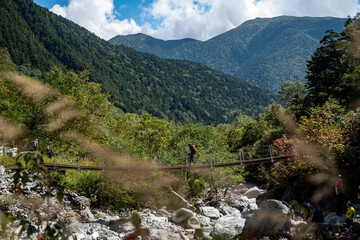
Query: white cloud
[99, 18]
[201, 19]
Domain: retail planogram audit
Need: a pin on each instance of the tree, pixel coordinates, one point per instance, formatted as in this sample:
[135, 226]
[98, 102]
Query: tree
[325, 70]
[294, 94]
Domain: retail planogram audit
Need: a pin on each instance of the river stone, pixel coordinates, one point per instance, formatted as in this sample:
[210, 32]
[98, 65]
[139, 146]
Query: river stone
[193, 223]
[228, 226]
[210, 212]
[240, 203]
[253, 192]
[249, 211]
[181, 215]
[75, 228]
[225, 209]
[333, 219]
[95, 235]
[2, 170]
[276, 205]
[270, 217]
[204, 221]
[121, 226]
[161, 234]
[79, 236]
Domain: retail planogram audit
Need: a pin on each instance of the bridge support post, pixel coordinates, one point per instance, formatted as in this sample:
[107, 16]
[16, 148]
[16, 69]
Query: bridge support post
[214, 159]
[271, 153]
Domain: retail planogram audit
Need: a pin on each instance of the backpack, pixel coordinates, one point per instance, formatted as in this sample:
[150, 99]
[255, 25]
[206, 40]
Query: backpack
[48, 148]
[193, 150]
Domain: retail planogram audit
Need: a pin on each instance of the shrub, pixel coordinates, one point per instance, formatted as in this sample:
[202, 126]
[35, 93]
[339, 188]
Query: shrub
[99, 188]
[6, 201]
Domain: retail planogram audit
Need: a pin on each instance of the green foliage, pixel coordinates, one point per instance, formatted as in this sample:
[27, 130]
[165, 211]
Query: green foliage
[325, 69]
[179, 91]
[6, 64]
[6, 200]
[265, 51]
[326, 126]
[293, 93]
[30, 170]
[102, 191]
[285, 173]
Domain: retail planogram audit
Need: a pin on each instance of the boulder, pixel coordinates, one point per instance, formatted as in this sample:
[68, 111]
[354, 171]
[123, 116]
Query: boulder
[249, 210]
[121, 226]
[253, 192]
[2, 170]
[270, 217]
[333, 219]
[193, 223]
[275, 205]
[240, 203]
[225, 209]
[12, 152]
[210, 212]
[183, 201]
[75, 228]
[161, 234]
[228, 226]
[204, 221]
[181, 215]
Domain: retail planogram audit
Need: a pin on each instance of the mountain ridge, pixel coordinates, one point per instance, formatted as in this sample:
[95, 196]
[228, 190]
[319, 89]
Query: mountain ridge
[176, 90]
[265, 51]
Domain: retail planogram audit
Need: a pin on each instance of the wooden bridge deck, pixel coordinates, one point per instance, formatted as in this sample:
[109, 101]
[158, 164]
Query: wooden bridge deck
[171, 168]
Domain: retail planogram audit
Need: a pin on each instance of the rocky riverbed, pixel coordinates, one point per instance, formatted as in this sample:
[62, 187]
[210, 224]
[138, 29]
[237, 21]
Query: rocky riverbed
[232, 214]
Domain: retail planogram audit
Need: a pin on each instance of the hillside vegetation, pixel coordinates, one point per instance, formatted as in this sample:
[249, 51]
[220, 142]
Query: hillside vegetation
[179, 91]
[264, 51]
[62, 108]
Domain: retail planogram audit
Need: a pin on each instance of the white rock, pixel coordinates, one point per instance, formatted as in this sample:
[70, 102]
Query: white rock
[204, 221]
[79, 235]
[2, 170]
[210, 212]
[225, 209]
[161, 234]
[249, 210]
[95, 235]
[228, 226]
[253, 192]
[241, 203]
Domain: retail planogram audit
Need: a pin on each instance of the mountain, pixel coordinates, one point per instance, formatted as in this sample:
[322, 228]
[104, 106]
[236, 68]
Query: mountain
[179, 91]
[265, 51]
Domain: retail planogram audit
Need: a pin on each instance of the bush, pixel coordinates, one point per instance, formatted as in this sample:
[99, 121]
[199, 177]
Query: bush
[285, 172]
[99, 188]
[6, 201]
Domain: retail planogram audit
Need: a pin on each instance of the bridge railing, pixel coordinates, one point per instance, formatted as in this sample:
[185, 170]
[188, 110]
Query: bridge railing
[212, 157]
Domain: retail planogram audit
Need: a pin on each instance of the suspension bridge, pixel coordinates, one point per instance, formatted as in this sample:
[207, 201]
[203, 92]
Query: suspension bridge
[172, 168]
[242, 160]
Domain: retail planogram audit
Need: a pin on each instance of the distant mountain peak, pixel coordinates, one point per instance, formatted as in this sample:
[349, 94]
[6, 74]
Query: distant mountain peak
[265, 51]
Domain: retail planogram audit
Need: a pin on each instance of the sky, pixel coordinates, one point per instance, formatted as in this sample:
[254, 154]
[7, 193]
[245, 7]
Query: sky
[177, 19]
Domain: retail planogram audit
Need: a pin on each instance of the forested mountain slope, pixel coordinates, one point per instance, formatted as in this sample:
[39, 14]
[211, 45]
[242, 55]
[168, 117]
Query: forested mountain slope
[179, 91]
[265, 51]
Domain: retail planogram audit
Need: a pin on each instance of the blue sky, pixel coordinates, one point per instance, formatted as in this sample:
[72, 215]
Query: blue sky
[176, 19]
[124, 8]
